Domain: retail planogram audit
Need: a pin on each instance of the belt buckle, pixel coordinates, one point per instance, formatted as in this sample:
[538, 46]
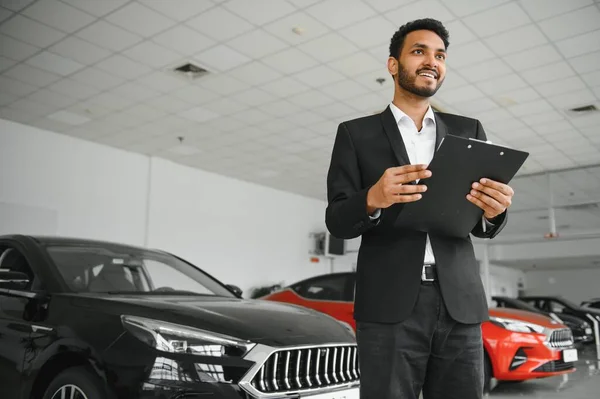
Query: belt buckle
[424, 274]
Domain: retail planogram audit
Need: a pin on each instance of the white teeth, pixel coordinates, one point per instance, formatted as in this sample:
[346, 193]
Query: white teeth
[428, 75]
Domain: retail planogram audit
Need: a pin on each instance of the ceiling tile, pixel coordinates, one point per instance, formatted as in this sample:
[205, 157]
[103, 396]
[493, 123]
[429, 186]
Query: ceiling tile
[371, 32]
[478, 105]
[16, 5]
[151, 54]
[461, 94]
[79, 50]
[533, 57]
[111, 101]
[222, 58]
[494, 115]
[54, 63]
[545, 117]
[586, 63]
[108, 36]
[368, 103]
[582, 44]
[134, 91]
[7, 98]
[31, 75]
[17, 115]
[421, 9]
[168, 103]
[459, 33]
[73, 88]
[15, 49]
[257, 44]
[343, 89]
[50, 97]
[516, 40]
[284, 87]
[339, 13]
[259, 12]
[310, 99]
[502, 84]
[554, 127]
[573, 99]
[468, 55]
[195, 95]
[183, 40]
[162, 81]
[499, 19]
[561, 86]
[123, 67]
[222, 84]
[385, 5]
[290, 61]
[254, 97]
[463, 8]
[251, 116]
[198, 114]
[485, 70]
[148, 22]
[318, 76]
[329, 47]
[592, 79]
[30, 31]
[306, 26]
[542, 9]
[255, 73]
[518, 96]
[95, 7]
[530, 108]
[548, 73]
[34, 108]
[185, 9]
[571, 24]
[356, 64]
[225, 106]
[219, 24]
[58, 15]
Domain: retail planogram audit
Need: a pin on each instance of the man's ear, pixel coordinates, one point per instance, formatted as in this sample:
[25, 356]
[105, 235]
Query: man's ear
[392, 65]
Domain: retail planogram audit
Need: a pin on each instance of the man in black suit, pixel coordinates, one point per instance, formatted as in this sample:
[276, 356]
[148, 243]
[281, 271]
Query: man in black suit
[419, 298]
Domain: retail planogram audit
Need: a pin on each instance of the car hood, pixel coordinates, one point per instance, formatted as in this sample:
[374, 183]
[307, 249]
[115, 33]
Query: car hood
[526, 316]
[269, 323]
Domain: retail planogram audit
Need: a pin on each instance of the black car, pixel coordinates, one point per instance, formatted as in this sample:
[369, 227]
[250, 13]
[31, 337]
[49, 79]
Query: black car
[591, 303]
[582, 329]
[88, 319]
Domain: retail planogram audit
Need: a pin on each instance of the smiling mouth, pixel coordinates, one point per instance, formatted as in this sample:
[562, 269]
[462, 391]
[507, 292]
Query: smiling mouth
[430, 75]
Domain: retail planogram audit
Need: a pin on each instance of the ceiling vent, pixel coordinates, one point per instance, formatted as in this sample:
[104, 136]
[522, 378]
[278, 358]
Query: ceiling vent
[190, 71]
[583, 110]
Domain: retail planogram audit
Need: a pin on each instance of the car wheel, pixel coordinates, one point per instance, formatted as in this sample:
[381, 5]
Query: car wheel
[76, 383]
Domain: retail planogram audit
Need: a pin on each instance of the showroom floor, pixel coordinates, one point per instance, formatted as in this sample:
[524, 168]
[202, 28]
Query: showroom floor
[584, 383]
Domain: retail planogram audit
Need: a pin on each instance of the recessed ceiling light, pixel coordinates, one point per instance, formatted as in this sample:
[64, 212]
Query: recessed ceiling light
[298, 30]
[69, 118]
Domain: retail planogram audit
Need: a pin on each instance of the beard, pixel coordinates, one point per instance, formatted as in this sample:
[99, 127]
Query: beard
[408, 82]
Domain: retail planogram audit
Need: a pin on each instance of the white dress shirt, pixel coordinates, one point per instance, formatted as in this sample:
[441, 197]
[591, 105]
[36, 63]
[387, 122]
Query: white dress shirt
[420, 147]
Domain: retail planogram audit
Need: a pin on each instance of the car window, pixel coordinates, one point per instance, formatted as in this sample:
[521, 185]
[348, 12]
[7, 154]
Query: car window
[556, 307]
[329, 288]
[11, 259]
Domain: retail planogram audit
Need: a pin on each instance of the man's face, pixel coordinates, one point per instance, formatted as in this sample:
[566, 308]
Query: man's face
[422, 63]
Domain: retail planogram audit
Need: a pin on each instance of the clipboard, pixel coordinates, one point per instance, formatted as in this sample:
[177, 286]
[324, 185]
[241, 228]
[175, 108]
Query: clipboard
[456, 165]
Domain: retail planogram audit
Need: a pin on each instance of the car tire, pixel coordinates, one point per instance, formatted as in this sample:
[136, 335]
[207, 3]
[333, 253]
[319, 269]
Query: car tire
[83, 382]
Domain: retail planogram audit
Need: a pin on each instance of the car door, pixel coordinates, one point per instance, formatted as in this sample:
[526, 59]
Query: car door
[328, 294]
[15, 331]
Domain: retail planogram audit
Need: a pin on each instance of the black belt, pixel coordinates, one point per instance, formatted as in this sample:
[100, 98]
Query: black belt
[428, 273]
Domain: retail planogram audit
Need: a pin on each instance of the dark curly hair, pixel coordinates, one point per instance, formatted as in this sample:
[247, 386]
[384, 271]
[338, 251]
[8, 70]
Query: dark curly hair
[420, 24]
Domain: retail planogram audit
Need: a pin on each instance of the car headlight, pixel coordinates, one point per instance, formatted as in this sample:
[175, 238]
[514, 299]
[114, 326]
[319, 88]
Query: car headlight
[517, 325]
[176, 338]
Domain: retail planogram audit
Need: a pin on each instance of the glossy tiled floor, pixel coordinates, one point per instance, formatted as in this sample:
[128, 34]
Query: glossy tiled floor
[584, 383]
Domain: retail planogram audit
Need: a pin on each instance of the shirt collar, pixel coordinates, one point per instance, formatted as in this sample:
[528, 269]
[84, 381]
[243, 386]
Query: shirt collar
[399, 114]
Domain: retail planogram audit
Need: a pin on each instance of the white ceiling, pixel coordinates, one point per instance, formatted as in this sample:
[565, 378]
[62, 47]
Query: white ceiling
[268, 110]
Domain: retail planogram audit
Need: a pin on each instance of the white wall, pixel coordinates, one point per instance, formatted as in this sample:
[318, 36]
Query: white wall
[505, 281]
[241, 233]
[573, 284]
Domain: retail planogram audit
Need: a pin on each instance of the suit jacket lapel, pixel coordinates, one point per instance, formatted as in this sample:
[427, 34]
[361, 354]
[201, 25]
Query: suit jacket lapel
[393, 133]
[440, 130]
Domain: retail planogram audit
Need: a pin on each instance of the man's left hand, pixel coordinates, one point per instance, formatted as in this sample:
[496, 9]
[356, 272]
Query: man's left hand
[491, 196]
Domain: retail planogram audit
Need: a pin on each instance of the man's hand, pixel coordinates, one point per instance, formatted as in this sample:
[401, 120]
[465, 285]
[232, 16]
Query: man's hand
[491, 196]
[391, 188]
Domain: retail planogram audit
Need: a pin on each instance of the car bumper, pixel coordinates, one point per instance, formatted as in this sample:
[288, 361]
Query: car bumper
[522, 356]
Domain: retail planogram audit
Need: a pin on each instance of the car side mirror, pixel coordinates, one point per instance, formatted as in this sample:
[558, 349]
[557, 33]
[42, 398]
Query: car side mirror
[235, 289]
[13, 280]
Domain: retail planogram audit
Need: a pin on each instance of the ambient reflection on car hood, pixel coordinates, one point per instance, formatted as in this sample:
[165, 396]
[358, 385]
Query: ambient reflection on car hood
[266, 322]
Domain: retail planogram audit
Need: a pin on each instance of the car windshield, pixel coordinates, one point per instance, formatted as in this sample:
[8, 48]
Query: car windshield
[132, 271]
[522, 305]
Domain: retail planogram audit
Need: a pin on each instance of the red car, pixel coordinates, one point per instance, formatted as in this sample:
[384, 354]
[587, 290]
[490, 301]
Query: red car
[519, 345]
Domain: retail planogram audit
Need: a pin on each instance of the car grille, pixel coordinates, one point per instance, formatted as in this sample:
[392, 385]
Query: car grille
[307, 368]
[554, 366]
[559, 339]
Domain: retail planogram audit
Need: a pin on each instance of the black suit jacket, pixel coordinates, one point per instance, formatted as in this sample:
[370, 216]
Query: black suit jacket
[390, 258]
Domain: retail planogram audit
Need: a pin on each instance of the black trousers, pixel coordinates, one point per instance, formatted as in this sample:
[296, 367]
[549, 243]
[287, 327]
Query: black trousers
[428, 352]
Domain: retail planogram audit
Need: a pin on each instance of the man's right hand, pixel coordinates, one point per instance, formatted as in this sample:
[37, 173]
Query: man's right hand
[391, 188]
